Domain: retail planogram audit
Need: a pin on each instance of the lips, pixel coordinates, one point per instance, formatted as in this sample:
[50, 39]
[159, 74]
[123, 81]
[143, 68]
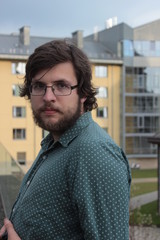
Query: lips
[49, 111]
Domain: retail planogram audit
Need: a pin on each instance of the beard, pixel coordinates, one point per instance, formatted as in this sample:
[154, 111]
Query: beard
[67, 120]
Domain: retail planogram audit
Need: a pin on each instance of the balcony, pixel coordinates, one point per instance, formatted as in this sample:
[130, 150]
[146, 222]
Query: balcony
[11, 176]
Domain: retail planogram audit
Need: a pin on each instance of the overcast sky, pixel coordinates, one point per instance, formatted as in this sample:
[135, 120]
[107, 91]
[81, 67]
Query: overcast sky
[59, 18]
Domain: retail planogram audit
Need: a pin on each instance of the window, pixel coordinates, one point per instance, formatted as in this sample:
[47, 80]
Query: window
[19, 133]
[19, 112]
[21, 157]
[128, 48]
[152, 45]
[102, 92]
[147, 48]
[18, 68]
[101, 71]
[15, 90]
[102, 112]
[139, 81]
[141, 146]
[155, 102]
[140, 122]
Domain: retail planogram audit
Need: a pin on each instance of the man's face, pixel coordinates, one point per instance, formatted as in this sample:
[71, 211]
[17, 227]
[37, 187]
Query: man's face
[57, 113]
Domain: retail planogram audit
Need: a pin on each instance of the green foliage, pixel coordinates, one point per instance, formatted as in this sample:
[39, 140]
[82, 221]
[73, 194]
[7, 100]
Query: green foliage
[152, 208]
[140, 219]
[147, 215]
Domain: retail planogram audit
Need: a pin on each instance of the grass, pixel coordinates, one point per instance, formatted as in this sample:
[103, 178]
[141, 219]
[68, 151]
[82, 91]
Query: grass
[142, 188]
[144, 173]
[152, 208]
[146, 215]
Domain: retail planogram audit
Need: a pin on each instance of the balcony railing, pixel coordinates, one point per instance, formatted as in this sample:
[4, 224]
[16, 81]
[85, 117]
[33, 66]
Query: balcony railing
[140, 151]
[141, 130]
[135, 109]
[11, 176]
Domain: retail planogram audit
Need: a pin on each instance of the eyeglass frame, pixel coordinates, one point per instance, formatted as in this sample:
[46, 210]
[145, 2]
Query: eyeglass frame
[45, 89]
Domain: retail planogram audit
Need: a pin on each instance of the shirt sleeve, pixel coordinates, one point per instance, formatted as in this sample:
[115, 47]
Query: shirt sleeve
[100, 192]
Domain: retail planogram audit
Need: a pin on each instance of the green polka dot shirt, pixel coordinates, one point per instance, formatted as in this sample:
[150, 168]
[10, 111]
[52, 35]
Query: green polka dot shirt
[78, 188]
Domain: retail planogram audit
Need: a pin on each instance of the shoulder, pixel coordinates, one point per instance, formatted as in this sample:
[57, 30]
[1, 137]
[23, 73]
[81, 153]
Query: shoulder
[94, 143]
[95, 154]
[95, 138]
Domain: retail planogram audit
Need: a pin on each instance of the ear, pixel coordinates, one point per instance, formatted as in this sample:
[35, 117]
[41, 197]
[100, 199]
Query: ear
[83, 99]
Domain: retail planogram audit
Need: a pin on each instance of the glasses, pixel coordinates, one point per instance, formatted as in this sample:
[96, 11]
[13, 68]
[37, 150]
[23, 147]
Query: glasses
[58, 88]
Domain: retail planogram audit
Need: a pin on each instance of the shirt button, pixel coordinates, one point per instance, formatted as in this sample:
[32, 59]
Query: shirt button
[13, 210]
[28, 183]
[44, 157]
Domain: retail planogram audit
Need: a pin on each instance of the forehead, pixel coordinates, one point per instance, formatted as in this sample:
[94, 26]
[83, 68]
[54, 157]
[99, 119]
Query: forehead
[60, 71]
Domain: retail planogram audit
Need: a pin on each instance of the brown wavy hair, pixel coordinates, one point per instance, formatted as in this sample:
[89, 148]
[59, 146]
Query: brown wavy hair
[60, 51]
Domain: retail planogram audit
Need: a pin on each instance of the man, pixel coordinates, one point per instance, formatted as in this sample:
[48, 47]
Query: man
[78, 187]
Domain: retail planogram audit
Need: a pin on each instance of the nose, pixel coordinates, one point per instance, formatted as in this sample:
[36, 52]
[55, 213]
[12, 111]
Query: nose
[49, 95]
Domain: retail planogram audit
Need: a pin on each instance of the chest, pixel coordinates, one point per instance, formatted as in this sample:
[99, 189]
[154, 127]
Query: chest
[47, 180]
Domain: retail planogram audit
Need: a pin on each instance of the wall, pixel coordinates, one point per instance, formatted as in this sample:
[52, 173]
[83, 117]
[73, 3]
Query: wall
[112, 82]
[31, 144]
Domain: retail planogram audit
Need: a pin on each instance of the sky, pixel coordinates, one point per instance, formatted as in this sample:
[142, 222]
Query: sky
[60, 18]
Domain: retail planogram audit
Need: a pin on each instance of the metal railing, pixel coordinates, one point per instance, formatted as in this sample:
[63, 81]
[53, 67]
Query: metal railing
[11, 176]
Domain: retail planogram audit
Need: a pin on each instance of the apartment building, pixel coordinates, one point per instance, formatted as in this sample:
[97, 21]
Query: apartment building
[140, 50]
[107, 78]
[18, 133]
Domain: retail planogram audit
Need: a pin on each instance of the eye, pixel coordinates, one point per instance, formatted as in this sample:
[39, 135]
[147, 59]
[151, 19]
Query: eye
[38, 86]
[61, 85]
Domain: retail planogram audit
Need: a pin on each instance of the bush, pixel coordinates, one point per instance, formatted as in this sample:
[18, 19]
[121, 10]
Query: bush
[140, 219]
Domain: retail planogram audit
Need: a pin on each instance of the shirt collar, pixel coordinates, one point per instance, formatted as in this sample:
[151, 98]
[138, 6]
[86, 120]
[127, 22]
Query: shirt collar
[82, 122]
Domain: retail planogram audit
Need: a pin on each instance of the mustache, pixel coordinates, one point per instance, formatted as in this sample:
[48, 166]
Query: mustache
[48, 107]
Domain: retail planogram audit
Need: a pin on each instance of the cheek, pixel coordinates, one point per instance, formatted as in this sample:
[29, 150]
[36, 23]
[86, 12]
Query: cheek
[69, 104]
[34, 103]
[71, 100]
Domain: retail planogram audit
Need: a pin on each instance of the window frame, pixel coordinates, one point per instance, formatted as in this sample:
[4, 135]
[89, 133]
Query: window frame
[19, 133]
[18, 114]
[102, 112]
[21, 160]
[15, 90]
[101, 71]
[102, 92]
[18, 68]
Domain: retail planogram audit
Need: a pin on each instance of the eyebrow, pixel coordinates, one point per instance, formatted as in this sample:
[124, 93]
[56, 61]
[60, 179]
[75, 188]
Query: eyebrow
[56, 81]
[36, 81]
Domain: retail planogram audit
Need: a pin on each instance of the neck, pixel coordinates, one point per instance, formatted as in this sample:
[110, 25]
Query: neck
[56, 137]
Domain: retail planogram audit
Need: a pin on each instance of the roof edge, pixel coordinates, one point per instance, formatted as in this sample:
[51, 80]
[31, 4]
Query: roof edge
[13, 57]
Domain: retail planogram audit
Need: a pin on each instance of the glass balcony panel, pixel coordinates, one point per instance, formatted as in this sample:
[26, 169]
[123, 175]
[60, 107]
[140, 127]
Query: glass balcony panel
[11, 176]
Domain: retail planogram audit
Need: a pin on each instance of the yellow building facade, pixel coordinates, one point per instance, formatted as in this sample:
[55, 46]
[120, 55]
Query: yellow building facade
[18, 133]
[108, 113]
